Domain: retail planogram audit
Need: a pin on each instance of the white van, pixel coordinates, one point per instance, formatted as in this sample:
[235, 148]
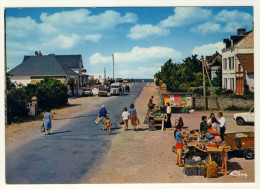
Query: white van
[114, 89]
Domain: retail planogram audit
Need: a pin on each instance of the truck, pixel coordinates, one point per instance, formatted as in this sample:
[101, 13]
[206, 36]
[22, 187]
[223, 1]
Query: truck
[114, 89]
[102, 91]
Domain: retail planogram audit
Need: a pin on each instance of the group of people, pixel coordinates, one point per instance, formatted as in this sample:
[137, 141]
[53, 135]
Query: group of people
[211, 128]
[132, 115]
[123, 90]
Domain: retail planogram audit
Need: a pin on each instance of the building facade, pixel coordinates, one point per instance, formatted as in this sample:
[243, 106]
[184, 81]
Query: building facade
[237, 57]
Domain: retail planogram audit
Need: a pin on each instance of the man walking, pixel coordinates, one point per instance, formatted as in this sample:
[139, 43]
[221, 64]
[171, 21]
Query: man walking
[103, 114]
[222, 125]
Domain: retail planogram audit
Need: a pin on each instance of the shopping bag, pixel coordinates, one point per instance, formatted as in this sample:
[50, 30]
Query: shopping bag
[121, 122]
[137, 121]
[97, 120]
[42, 128]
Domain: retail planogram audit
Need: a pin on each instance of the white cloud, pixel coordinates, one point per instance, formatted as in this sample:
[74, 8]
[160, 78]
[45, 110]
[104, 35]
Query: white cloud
[92, 37]
[136, 56]
[208, 49]
[207, 27]
[147, 30]
[186, 15]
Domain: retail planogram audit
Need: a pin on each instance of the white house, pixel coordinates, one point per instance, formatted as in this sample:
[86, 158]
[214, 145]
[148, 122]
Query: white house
[66, 68]
[237, 57]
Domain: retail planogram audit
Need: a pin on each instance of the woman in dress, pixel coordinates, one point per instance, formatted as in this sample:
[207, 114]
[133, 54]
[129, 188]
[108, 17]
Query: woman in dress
[133, 116]
[47, 121]
[169, 113]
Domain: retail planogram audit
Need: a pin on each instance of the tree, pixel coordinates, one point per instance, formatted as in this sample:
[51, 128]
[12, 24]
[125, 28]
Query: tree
[217, 81]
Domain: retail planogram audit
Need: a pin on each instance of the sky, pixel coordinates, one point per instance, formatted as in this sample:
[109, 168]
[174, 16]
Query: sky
[141, 39]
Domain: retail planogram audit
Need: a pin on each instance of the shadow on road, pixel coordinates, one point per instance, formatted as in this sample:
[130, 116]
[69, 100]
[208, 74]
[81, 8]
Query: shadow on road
[141, 129]
[60, 132]
[74, 117]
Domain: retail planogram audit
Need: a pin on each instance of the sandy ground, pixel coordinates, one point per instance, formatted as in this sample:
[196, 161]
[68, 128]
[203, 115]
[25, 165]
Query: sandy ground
[21, 133]
[144, 156]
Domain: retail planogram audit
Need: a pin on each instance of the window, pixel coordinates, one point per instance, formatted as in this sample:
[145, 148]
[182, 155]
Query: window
[232, 84]
[233, 63]
[225, 64]
[229, 63]
[225, 83]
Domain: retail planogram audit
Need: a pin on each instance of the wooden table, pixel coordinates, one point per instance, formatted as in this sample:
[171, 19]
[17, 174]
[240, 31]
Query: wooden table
[209, 151]
[159, 120]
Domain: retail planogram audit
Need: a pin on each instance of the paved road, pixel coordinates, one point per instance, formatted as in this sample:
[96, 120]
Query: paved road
[70, 152]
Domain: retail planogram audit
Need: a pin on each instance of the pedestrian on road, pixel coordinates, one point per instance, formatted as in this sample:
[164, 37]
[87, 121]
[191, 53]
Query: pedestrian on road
[133, 116]
[169, 113]
[47, 121]
[108, 125]
[178, 136]
[125, 117]
[203, 124]
[210, 116]
[120, 91]
[222, 125]
[103, 114]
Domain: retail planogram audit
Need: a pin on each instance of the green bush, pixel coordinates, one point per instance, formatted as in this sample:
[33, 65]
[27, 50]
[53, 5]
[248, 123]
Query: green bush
[185, 110]
[245, 97]
[51, 93]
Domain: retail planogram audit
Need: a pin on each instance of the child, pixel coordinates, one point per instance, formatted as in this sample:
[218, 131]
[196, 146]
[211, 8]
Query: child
[203, 125]
[178, 135]
[108, 124]
[125, 117]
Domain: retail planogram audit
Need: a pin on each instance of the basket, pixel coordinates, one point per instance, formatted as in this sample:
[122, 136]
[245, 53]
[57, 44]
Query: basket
[202, 171]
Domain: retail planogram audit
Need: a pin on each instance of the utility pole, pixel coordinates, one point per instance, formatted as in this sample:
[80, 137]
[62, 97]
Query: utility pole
[105, 75]
[204, 90]
[113, 66]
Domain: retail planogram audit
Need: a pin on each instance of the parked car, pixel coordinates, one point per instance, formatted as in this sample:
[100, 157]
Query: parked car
[102, 91]
[87, 92]
[114, 90]
[245, 117]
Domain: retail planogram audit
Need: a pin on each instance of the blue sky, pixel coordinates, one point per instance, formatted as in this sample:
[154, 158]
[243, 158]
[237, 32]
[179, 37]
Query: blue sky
[142, 39]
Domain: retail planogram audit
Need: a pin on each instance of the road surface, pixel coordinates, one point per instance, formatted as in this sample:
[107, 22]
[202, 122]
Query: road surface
[69, 152]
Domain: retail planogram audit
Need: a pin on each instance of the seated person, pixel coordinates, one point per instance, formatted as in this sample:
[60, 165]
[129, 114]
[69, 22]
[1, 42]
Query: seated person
[212, 133]
[203, 124]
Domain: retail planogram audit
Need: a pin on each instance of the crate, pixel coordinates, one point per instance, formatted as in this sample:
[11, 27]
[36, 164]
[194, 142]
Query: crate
[202, 171]
[189, 171]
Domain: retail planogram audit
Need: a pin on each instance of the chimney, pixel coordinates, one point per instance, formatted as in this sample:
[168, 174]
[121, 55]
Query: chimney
[241, 31]
[36, 53]
[40, 54]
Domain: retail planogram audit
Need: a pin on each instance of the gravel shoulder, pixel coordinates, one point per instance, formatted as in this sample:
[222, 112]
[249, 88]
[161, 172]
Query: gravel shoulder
[144, 156]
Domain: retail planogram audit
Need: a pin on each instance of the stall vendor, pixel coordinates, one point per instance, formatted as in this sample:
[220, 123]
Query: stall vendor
[203, 124]
[212, 133]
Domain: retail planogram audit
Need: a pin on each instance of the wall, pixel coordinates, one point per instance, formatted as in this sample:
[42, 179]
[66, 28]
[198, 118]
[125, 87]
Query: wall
[24, 80]
[224, 102]
[250, 81]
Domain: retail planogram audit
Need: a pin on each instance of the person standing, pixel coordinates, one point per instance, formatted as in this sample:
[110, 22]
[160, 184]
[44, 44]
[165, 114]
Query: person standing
[178, 136]
[222, 125]
[210, 116]
[203, 124]
[133, 116]
[169, 113]
[150, 104]
[108, 125]
[103, 114]
[125, 117]
[47, 121]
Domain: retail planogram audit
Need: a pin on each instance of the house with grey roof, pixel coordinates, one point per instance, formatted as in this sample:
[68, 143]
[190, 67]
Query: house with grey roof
[68, 69]
[213, 63]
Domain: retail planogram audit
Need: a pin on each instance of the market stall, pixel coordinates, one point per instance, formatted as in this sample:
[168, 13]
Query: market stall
[157, 119]
[202, 147]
